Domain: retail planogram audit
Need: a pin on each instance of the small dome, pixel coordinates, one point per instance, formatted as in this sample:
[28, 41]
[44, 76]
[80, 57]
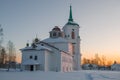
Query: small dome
[56, 28]
[36, 40]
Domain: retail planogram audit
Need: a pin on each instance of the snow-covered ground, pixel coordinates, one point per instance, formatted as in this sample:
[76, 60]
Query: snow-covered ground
[81, 75]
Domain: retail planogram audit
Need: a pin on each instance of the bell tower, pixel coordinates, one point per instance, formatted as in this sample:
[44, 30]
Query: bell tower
[71, 33]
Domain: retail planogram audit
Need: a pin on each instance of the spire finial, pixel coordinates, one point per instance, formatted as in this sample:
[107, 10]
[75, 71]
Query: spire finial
[27, 44]
[36, 36]
[70, 14]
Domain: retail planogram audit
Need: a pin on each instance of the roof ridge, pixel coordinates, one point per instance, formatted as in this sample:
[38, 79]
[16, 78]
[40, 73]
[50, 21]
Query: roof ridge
[54, 47]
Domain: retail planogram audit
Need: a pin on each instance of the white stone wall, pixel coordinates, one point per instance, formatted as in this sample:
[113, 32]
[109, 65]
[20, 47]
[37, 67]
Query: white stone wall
[66, 62]
[49, 65]
[70, 48]
[40, 57]
[76, 43]
[67, 29]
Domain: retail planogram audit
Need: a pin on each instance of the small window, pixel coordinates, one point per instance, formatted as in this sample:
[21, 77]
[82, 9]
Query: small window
[68, 35]
[50, 34]
[65, 36]
[42, 44]
[30, 57]
[35, 57]
[54, 34]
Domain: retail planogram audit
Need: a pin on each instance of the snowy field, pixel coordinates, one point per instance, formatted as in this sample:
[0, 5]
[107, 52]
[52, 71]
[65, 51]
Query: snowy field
[81, 75]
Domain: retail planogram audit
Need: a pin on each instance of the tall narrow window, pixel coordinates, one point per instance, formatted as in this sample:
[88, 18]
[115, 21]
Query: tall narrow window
[73, 49]
[35, 58]
[73, 35]
[50, 34]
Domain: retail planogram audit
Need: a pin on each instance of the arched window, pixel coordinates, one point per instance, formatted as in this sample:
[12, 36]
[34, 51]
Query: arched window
[73, 49]
[50, 34]
[67, 69]
[73, 34]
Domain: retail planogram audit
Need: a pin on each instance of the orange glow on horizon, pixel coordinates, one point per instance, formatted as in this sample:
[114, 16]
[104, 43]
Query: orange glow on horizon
[18, 57]
[110, 57]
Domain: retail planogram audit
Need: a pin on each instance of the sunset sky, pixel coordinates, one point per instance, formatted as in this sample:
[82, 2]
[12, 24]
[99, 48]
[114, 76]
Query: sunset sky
[99, 22]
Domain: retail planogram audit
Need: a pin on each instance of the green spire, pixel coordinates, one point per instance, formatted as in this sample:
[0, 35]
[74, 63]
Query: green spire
[70, 15]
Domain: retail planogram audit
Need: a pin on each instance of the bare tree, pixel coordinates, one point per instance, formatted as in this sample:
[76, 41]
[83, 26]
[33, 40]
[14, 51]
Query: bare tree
[97, 59]
[1, 36]
[103, 59]
[86, 61]
[3, 56]
[11, 53]
[109, 63]
[1, 41]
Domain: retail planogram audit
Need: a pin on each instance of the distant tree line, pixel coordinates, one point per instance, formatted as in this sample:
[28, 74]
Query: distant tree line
[100, 61]
[7, 54]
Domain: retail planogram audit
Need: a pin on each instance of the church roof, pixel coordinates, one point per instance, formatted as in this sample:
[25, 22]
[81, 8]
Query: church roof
[71, 23]
[55, 40]
[39, 47]
[56, 28]
[70, 15]
[28, 48]
[55, 47]
[30, 62]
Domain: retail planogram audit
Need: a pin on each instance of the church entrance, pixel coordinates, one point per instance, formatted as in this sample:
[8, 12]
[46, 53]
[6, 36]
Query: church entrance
[31, 67]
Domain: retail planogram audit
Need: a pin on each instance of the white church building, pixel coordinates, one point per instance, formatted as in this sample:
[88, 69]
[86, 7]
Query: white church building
[59, 52]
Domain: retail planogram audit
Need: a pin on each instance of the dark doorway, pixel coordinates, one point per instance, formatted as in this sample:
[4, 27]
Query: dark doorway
[31, 68]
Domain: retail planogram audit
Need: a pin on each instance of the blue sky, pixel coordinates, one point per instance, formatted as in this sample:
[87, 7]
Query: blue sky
[98, 19]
